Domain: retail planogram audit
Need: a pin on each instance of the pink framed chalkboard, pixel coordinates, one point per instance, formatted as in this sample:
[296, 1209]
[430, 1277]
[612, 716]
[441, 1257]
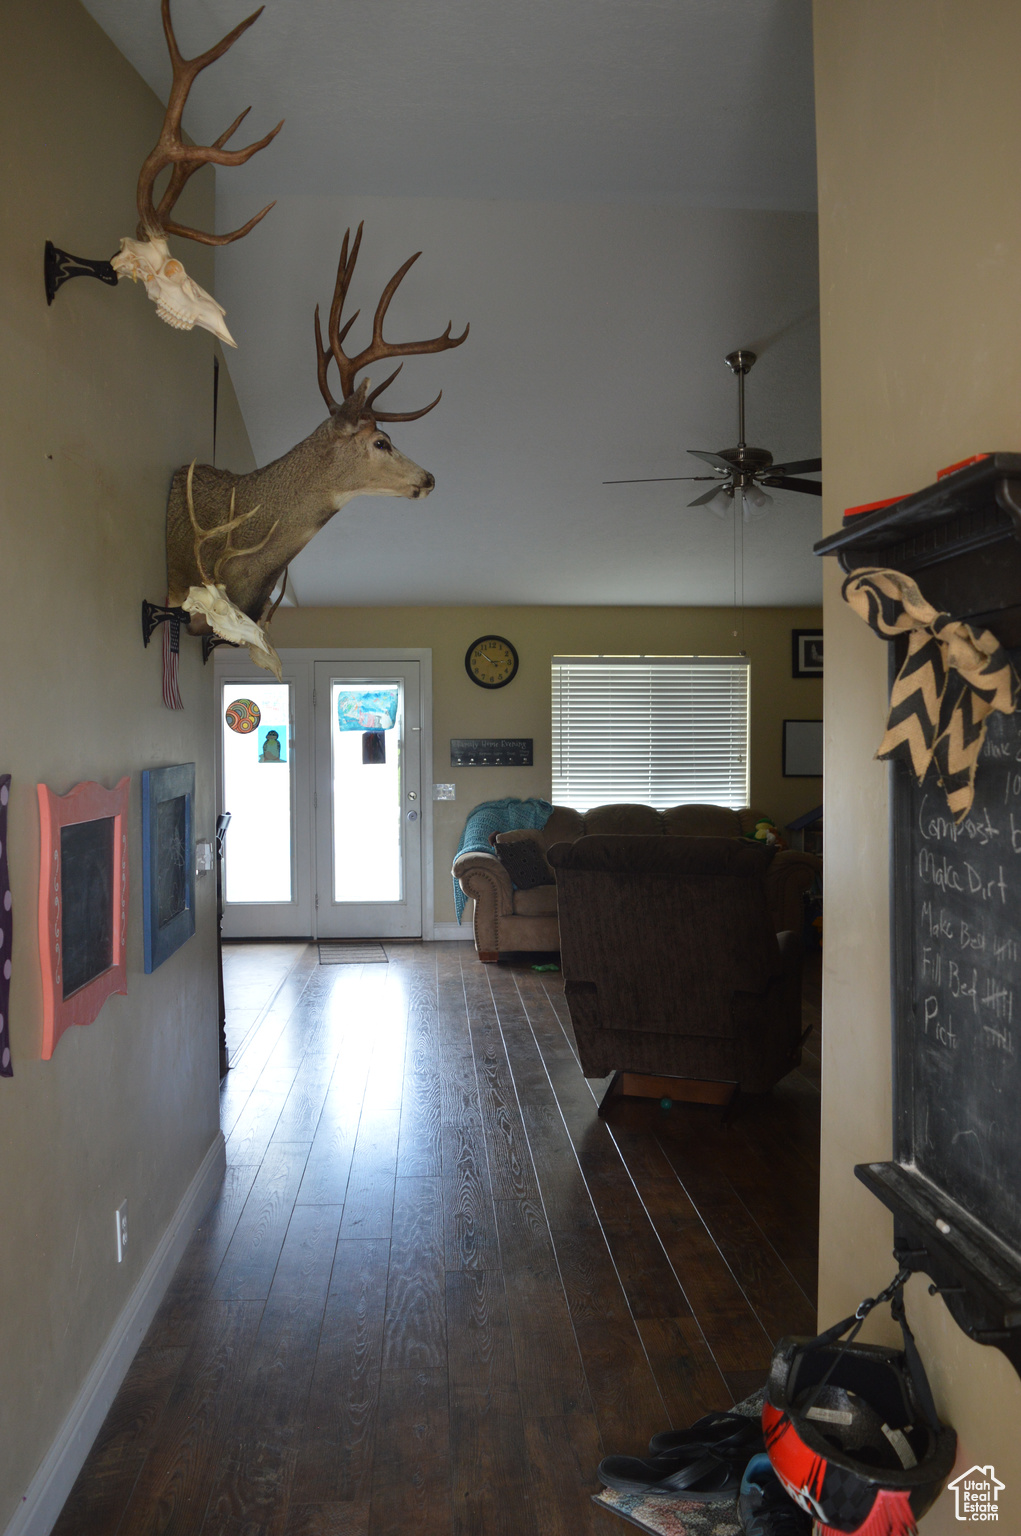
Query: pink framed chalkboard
[83, 903]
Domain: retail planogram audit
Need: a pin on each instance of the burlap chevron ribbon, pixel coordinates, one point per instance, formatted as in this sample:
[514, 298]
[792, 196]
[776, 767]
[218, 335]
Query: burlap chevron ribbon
[934, 717]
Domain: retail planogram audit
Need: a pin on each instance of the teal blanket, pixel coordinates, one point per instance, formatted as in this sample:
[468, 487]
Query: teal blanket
[497, 816]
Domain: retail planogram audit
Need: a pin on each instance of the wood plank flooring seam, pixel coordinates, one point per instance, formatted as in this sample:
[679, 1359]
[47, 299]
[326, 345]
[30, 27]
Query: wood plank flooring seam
[809, 1291]
[478, 1085]
[239, 1050]
[555, 1097]
[698, 1204]
[560, 1279]
[626, 1166]
[579, 1343]
[567, 1125]
[767, 1243]
[702, 1219]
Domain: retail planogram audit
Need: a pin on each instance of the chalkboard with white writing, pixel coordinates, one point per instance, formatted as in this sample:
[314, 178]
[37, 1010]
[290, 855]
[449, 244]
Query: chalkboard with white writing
[957, 943]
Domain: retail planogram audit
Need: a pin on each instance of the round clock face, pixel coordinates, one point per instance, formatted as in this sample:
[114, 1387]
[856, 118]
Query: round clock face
[491, 661]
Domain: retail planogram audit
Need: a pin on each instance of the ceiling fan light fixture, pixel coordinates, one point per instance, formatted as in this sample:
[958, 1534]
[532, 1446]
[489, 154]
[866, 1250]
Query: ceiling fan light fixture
[722, 503]
[756, 502]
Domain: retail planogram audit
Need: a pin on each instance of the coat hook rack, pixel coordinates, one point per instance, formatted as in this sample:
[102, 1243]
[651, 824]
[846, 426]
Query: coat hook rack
[154, 614]
[60, 266]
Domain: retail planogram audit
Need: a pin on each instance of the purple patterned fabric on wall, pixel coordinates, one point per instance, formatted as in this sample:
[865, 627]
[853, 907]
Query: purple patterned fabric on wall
[6, 932]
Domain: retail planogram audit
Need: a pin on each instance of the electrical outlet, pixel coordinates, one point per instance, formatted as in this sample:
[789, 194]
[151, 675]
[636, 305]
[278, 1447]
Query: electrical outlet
[122, 1230]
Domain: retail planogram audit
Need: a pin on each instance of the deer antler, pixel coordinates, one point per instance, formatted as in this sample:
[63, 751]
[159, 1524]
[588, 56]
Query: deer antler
[202, 535]
[349, 367]
[280, 597]
[186, 159]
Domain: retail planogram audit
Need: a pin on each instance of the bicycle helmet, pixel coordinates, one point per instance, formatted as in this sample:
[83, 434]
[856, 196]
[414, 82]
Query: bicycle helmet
[851, 1429]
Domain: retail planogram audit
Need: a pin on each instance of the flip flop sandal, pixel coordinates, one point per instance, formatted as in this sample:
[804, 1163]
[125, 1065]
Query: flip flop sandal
[706, 1479]
[725, 1434]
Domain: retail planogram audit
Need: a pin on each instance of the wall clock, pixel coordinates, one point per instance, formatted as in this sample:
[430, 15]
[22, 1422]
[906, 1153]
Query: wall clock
[491, 661]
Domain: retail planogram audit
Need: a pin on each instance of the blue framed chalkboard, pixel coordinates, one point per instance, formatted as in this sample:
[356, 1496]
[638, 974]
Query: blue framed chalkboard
[168, 860]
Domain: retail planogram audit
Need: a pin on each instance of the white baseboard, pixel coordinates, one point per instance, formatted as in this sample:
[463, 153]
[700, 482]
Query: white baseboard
[47, 1493]
[454, 931]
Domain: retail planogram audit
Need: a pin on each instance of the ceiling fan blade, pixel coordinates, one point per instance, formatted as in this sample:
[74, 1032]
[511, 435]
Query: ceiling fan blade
[785, 483]
[706, 496]
[796, 467]
[657, 479]
[715, 459]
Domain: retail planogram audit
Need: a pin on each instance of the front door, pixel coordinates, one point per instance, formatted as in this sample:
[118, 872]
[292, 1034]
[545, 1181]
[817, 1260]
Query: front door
[367, 803]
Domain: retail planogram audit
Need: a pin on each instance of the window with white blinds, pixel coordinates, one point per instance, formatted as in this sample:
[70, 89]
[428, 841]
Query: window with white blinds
[657, 731]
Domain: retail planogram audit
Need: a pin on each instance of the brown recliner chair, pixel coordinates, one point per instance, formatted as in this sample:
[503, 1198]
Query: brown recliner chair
[672, 966]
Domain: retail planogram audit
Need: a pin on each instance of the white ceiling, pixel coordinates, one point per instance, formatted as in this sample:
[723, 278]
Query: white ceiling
[614, 192]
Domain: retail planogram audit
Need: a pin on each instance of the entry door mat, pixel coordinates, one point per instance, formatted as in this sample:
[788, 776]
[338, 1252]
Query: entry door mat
[680, 1517]
[343, 952]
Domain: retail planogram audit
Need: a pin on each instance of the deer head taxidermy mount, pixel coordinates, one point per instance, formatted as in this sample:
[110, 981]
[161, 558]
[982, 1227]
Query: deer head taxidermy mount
[230, 538]
[178, 298]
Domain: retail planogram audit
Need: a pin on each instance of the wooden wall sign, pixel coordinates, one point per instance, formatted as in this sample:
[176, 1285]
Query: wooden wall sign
[83, 903]
[491, 752]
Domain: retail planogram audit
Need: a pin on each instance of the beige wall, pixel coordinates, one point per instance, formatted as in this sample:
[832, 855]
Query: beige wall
[523, 708]
[920, 245]
[100, 401]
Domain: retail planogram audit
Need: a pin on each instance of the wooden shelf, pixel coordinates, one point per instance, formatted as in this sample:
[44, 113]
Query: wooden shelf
[960, 538]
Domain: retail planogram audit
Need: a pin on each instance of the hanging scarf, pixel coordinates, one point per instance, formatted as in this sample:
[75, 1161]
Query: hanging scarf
[932, 719]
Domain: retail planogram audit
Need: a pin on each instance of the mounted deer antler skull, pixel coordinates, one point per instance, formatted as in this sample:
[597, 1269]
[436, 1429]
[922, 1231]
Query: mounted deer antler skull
[280, 508]
[178, 298]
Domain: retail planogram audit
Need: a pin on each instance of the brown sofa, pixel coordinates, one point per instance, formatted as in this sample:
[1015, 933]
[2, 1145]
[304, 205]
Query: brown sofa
[507, 919]
[672, 968]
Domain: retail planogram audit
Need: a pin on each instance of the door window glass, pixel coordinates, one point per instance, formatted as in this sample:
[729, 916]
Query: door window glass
[366, 730]
[257, 791]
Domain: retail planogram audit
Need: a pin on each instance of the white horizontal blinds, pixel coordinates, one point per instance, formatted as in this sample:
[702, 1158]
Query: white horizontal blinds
[651, 731]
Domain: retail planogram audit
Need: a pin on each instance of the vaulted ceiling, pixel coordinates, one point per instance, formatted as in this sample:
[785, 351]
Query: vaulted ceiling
[615, 193]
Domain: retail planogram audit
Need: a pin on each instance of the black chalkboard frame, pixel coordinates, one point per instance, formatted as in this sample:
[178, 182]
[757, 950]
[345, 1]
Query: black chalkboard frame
[961, 540]
[163, 787]
[973, 1265]
[85, 802]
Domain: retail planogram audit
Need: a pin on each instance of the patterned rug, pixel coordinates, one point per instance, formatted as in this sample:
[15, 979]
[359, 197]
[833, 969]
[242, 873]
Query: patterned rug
[671, 1517]
[679, 1517]
[344, 952]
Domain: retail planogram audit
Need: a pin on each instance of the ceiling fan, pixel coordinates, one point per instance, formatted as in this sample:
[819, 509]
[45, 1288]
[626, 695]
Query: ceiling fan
[742, 470]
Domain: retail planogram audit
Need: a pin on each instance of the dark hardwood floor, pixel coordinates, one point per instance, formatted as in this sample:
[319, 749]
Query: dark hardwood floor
[436, 1288]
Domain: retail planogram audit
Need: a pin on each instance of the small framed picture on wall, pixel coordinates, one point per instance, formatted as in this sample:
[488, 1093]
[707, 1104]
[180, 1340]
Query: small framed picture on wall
[802, 749]
[806, 653]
